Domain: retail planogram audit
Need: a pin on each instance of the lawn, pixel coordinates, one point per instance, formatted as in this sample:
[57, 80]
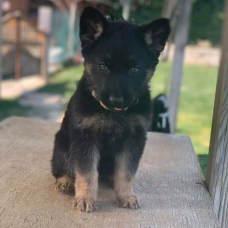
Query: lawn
[196, 100]
[195, 106]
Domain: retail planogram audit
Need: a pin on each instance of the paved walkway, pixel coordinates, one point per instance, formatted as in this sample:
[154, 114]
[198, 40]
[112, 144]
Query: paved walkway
[14, 88]
[42, 105]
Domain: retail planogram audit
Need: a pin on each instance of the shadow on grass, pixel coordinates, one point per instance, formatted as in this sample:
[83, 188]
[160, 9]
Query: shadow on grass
[12, 108]
[62, 83]
[59, 88]
[203, 158]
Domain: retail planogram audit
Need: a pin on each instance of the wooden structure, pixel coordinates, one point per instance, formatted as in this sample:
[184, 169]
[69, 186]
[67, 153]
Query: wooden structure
[217, 172]
[0, 49]
[21, 5]
[169, 184]
[22, 46]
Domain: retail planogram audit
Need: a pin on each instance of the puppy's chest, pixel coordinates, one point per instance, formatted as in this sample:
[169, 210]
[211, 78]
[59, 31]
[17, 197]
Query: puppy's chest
[111, 124]
[103, 124]
[112, 131]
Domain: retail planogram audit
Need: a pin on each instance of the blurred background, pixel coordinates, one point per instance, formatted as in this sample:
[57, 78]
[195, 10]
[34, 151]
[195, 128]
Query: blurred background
[41, 61]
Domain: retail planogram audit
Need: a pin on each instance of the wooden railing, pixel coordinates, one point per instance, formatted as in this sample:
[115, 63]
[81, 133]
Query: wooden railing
[217, 171]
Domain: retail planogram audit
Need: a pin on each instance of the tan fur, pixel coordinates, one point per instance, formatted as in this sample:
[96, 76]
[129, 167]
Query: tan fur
[149, 74]
[103, 105]
[148, 38]
[88, 68]
[123, 180]
[149, 41]
[99, 30]
[140, 120]
[64, 184]
[123, 183]
[97, 122]
[94, 94]
[86, 187]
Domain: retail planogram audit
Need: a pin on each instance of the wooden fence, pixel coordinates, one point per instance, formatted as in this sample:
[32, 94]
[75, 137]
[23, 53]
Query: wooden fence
[21, 41]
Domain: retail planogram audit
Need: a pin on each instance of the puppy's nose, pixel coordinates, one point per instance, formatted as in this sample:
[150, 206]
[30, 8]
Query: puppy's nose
[116, 100]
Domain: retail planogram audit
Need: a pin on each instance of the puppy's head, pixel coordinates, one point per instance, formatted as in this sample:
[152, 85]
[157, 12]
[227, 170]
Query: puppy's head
[120, 57]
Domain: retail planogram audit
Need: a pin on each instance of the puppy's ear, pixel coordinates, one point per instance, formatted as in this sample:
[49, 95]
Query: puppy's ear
[156, 34]
[92, 25]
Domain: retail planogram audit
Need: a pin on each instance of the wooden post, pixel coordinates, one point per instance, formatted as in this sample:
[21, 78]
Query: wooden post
[0, 47]
[45, 57]
[126, 9]
[44, 25]
[180, 41]
[71, 29]
[17, 58]
[217, 171]
[169, 11]
[168, 7]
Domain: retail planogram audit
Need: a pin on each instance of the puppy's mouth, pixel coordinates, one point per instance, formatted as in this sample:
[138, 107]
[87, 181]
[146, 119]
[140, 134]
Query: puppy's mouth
[115, 109]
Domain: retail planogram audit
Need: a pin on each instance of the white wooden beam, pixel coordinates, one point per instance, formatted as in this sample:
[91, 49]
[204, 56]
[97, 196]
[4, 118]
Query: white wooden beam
[126, 9]
[168, 8]
[0, 47]
[180, 41]
[71, 27]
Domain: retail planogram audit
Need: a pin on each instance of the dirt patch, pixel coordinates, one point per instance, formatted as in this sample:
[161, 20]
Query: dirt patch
[198, 55]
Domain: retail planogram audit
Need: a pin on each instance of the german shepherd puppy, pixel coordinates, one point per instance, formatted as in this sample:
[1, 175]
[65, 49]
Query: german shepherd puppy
[105, 124]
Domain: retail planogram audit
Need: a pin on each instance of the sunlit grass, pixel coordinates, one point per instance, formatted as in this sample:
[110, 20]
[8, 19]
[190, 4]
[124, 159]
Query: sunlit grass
[195, 104]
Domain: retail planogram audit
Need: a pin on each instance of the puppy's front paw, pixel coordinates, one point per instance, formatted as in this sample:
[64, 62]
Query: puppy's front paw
[84, 204]
[64, 184]
[128, 202]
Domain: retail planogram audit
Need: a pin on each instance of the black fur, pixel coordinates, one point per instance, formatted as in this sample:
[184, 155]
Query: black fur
[108, 115]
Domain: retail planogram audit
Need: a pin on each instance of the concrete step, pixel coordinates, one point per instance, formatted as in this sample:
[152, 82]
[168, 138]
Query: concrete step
[169, 184]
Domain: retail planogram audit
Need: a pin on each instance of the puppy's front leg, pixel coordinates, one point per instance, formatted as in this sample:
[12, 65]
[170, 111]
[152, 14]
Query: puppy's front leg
[126, 164]
[86, 182]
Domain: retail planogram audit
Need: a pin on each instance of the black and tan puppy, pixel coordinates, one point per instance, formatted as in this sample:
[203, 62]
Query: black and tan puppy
[105, 125]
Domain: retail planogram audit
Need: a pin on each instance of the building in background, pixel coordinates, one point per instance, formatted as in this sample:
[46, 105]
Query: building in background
[25, 55]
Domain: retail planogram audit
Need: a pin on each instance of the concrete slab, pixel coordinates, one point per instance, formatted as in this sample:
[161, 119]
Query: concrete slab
[169, 184]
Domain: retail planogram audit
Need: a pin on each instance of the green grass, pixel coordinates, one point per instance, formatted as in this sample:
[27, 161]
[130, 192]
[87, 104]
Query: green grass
[195, 105]
[11, 108]
[64, 83]
[196, 100]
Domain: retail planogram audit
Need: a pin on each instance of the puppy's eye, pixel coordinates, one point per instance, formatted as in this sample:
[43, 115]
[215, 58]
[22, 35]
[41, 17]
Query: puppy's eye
[103, 67]
[134, 70]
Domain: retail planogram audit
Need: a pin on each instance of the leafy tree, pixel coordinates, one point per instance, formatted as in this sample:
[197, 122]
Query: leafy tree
[206, 18]
[206, 22]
